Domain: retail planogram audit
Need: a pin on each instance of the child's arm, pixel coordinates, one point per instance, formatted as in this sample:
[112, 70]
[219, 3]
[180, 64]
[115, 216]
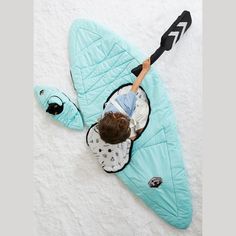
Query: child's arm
[139, 79]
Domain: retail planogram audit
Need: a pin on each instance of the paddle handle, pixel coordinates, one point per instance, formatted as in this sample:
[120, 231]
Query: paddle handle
[136, 71]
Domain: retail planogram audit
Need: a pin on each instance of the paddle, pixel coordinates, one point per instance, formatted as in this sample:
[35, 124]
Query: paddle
[169, 38]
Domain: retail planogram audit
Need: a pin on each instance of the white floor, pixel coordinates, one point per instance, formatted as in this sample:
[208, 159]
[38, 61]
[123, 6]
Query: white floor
[72, 195]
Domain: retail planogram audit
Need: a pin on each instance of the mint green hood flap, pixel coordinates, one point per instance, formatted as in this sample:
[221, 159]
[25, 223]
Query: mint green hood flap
[69, 115]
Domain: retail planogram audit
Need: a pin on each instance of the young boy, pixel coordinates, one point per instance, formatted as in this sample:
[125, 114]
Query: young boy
[115, 126]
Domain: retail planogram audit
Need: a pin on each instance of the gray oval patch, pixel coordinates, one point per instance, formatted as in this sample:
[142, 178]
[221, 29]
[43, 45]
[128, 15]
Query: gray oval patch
[155, 182]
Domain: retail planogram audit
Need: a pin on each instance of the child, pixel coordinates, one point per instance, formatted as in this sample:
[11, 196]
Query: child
[115, 126]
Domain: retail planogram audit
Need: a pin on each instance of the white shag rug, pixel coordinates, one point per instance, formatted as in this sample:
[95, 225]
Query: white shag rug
[72, 195]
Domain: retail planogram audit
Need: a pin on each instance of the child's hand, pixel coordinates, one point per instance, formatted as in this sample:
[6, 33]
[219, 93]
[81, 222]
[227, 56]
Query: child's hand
[145, 68]
[146, 65]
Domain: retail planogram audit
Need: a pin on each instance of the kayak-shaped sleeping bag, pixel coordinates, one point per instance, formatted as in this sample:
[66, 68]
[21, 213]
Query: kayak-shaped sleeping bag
[100, 63]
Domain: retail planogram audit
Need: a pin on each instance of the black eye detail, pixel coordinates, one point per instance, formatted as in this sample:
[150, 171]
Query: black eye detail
[54, 108]
[41, 92]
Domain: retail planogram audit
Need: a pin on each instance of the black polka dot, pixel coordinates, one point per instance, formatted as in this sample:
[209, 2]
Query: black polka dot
[100, 150]
[109, 150]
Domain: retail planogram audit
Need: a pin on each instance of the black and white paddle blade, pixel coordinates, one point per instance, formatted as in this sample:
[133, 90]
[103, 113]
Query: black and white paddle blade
[176, 30]
[169, 38]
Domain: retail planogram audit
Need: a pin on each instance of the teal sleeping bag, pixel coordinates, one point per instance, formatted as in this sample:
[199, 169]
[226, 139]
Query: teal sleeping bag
[101, 62]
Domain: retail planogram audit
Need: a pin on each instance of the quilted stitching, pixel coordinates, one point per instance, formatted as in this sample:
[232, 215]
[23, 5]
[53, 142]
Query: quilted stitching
[101, 62]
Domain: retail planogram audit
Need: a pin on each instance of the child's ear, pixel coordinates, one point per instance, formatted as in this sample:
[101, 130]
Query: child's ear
[54, 109]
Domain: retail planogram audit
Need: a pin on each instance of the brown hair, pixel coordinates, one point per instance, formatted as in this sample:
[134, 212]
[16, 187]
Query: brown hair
[114, 127]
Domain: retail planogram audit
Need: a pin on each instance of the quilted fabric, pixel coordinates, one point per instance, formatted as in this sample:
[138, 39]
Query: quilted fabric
[100, 61]
[70, 115]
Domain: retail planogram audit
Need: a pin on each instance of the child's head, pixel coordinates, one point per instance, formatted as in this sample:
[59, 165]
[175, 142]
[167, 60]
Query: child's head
[114, 127]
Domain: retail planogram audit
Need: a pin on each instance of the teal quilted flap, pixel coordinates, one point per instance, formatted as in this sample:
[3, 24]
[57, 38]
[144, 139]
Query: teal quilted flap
[99, 62]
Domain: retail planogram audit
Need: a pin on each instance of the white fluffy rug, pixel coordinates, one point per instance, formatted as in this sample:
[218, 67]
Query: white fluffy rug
[72, 195]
